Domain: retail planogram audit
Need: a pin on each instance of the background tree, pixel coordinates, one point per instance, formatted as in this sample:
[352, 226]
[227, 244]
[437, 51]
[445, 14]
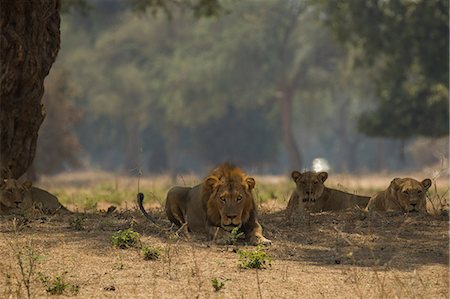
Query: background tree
[181, 93]
[58, 147]
[30, 40]
[407, 41]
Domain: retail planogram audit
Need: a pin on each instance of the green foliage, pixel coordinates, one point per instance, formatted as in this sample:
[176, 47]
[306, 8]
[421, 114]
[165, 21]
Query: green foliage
[254, 259]
[57, 285]
[235, 235]
[407, 43]
[77, 223]
[125, 238]
[150, 253]
[200, 8]
[217, 283]
[158, 91]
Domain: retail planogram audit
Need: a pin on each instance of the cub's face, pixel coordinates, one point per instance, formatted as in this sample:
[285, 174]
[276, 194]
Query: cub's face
[411, 194]
[309, 185]
[232, 198]
[12, 193]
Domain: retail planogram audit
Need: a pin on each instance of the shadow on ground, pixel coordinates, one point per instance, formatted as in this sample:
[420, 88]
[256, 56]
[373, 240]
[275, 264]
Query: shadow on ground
[351, 238]
[330, 239]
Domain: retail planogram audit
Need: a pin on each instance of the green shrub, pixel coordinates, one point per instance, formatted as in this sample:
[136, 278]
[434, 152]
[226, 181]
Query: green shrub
[57, 285]
[77, 223]
[217, 284]
[235, 235]
[254, 259]
[150, 253]
[125, 238]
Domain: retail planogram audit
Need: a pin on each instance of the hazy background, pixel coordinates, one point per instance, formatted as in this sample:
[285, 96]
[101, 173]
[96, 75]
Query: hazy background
[135, 89]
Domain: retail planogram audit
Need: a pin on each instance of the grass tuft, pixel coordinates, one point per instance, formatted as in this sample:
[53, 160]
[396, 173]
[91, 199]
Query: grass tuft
[254, 259]
[125, 239]
[150, 253]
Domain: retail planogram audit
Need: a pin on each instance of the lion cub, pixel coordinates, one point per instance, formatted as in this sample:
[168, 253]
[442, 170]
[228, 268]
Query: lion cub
[310, 194]
[403, 194]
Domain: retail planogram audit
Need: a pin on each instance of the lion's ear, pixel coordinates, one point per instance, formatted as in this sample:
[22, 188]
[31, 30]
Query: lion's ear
[395, 184]
[211, 181]
[323, 176]
[426, 183]
[296, 175]
[27, 185]
[250, 182]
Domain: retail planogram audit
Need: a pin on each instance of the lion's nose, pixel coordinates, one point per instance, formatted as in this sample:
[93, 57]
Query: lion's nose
[232, 216]
[308, 192]
[17, 203]
[413, 204]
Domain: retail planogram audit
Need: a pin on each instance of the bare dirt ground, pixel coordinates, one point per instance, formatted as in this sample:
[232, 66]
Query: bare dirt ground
[336, 255]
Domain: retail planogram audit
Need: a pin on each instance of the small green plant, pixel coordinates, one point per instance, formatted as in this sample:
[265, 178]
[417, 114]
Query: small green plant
[254, 259]
[57, 285]
[77, 223]
[28, 260]
[125, 238]
[217, 283]
[235, 235]
[150, 253]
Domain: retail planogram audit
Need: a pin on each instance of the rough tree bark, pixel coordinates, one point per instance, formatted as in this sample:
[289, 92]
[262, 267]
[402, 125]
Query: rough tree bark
[29, 44]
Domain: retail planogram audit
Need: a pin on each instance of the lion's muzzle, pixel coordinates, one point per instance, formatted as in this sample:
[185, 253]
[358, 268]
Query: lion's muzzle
[413, 208]
[231, 219]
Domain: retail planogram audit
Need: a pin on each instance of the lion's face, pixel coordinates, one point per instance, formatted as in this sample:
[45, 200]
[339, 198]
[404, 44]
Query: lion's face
[309, 185]
[13, 193]
[411, 194]
[230, 199]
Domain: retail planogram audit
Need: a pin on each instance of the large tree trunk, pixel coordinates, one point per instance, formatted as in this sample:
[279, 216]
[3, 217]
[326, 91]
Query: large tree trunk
[285, 99]
[30, 39]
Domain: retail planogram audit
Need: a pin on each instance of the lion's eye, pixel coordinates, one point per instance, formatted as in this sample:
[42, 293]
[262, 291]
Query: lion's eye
[405, 192]
[239, 198]
[223, 198]
[315, 183]
[419, 192]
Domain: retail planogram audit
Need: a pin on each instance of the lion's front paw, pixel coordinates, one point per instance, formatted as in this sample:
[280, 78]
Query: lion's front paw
[260, 241]
[264, 241]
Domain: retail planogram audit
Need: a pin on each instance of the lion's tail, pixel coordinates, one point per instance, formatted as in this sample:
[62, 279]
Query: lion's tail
[140, 200]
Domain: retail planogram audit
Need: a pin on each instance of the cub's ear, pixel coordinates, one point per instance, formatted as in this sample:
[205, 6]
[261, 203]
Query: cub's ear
[426, 183]
[251, 183]
[296, 175]
[27, 185]
[323, 176]
[211, 182]
[395, 184]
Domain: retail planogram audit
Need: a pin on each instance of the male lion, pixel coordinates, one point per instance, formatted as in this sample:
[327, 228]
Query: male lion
[403, 194]
[311, 194]
[222, 202]
[19, 198]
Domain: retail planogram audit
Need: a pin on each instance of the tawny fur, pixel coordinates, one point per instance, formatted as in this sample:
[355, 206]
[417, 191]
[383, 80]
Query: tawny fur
[403, 194]
[223, 200]
[20, 198]
[311, 194]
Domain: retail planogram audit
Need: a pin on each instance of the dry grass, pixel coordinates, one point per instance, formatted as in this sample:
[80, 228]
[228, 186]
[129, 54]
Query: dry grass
[339, 255]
